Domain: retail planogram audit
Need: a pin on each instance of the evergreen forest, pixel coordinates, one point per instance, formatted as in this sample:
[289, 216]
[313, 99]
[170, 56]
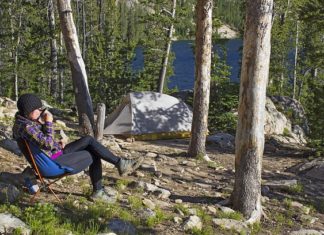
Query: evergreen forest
[33, 55]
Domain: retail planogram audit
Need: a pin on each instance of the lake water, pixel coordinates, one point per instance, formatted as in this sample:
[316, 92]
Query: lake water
[184, 62]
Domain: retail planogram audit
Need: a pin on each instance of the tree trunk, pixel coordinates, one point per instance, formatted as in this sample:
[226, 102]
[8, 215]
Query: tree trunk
[84, 36]
[51, 23]
[202, 78]
[295, 62]
[61, 73]
[166, 57]
[79, 75]
[249, 142]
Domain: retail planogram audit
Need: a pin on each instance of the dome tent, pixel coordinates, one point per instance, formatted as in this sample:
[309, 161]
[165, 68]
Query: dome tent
[150, 115]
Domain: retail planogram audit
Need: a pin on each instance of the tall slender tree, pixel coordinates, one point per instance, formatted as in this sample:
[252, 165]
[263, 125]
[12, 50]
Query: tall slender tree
[249, 142]
[202, 78]
[79, 75]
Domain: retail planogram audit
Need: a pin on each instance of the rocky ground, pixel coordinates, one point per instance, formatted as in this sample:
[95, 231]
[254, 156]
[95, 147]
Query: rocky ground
[171, 193]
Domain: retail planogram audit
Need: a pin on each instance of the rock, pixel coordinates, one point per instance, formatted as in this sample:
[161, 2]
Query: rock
[306, 232]
[112, 145]
[119, 226]
[151, 155]
[16, 179]
[294, 106]
[148, 203]
[8, 224]
[192, 211]
[308, 219]
[158, 174]
[212, 209]
[139, 174]
[148, 168]
[223, 140]
[300, 206]
[8, 193]
[11, 145]
[189, 163]
[281, 184]
[275, 121]
[160, 192]
[226, 209]
[192, 222]
[178, 201]
[230, 224]
[177, 220]
[225, 32]
[9, 103]
[147, 213]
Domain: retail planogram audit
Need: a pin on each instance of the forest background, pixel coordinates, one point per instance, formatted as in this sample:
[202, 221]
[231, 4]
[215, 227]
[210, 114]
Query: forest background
[33, 56]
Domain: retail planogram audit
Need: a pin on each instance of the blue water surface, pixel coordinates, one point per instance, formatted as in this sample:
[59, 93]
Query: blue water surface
[184, 62]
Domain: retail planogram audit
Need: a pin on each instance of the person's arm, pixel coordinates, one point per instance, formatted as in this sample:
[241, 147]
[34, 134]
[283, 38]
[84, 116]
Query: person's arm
[44, 140]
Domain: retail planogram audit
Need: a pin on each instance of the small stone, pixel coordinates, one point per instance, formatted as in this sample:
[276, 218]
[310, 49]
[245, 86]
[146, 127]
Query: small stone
[192, 211]
[180, 212]
[151, 155]
[238, 226]
[147, 213]
[177, 220]
[212, 209]
[158, 174]
[119, 226]
[192, 222]
[178, 201]
[308, 219]
[148, 203]
[226, 209]
[139, 174]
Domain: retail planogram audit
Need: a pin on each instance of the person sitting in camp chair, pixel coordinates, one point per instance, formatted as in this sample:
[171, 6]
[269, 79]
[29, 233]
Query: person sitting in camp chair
[34, 126]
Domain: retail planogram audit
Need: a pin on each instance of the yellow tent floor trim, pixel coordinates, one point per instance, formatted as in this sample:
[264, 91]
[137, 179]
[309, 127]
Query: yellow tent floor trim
[162, 135]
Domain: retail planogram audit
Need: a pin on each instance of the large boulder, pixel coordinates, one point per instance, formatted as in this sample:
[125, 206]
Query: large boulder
[293, 109]
[279, 127]
[8, 193]
[275, 122]
[9, 223]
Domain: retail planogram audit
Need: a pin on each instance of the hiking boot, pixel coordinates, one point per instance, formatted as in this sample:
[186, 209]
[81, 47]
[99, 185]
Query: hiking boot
[126, 166]
[109, 196]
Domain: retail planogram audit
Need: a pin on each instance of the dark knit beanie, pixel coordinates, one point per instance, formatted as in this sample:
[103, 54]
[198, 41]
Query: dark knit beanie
[27, 103]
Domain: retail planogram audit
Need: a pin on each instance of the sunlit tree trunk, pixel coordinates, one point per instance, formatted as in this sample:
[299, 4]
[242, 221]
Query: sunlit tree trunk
[202, 78]
[295, 62]
[249, 142]
[168, 48]
[51, 23]
[79, 75]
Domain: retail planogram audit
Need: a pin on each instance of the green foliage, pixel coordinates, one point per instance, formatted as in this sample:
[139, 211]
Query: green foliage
[223, 96]
[135, 202]
[229, 215]
[159, 217]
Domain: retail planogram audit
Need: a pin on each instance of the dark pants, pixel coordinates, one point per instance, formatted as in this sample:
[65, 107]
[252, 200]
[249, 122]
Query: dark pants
[74, 157]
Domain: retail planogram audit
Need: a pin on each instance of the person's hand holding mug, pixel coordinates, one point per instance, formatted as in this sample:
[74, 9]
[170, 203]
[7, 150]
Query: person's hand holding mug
[48, 117]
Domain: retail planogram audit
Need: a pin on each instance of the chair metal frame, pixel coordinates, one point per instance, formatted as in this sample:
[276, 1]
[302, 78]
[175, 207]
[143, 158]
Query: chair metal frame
[44, 185]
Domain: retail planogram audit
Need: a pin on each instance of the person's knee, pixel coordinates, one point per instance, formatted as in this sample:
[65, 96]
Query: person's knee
[88, 138]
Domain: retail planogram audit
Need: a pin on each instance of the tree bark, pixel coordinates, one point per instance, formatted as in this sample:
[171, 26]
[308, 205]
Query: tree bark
[51, 23]
[249, 141]
[79, 75]
[101, 113]
[295, 62]
[61, 73]
[168, 48]
[202, 78]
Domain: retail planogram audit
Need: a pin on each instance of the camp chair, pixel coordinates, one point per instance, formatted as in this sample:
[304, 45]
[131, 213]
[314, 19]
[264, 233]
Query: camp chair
[45, 169]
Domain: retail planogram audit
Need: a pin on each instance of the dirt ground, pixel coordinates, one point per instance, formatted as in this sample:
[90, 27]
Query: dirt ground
[199, 183]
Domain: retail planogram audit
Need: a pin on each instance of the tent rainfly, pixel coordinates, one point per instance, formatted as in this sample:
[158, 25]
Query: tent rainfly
[150, 115]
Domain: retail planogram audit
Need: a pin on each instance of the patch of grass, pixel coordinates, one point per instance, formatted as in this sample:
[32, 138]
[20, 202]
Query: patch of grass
[135, 202]
[255, 228]
[206, 230]
[296, 189]
[159, 217]
[121, 184]
[12, 209]
[286, 132]
[229, 215]
[181, 208]
[213, 165]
